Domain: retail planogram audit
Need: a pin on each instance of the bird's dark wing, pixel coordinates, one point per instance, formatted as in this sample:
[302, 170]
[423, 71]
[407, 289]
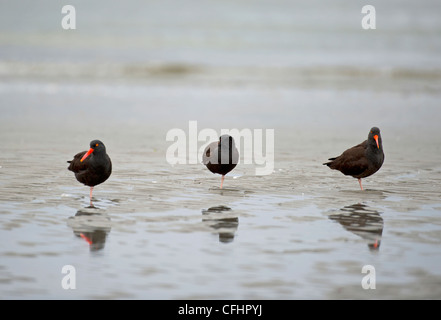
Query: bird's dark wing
[76, 165]
[352, 162]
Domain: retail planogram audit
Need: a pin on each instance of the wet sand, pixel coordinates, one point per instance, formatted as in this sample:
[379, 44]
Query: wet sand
[169, 232]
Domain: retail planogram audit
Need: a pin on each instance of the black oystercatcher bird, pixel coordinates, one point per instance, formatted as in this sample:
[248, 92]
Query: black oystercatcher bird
[221, 156]
[92, 167]
[362, 160]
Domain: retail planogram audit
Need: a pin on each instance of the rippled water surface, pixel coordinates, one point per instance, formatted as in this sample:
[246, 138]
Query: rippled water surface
[163, 231]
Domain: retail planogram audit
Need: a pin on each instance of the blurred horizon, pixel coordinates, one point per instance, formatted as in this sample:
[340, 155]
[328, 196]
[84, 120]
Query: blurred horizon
[267, 33]
[172, 62]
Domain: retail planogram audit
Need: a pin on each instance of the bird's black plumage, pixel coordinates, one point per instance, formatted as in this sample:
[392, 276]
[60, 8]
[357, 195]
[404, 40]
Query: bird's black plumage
[361, 160]
[95, 168]
[221, 156]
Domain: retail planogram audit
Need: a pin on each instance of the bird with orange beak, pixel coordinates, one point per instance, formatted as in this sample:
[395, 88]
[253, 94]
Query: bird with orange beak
[362, 160]
[92, 167]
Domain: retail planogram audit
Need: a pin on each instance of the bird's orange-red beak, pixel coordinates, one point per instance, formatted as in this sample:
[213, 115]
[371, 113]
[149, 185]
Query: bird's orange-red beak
[376, 139]
[91, 150]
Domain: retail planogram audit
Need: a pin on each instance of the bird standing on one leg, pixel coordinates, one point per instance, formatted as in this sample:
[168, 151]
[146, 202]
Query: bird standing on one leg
[92, 167]
[221, 156]
[361, 160]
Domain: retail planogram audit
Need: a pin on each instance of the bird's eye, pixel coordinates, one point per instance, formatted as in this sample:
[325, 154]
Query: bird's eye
[96, 145]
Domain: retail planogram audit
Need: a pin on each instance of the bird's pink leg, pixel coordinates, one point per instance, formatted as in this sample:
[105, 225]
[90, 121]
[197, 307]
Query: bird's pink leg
[91, 189]
[222, 180]
[359, 181]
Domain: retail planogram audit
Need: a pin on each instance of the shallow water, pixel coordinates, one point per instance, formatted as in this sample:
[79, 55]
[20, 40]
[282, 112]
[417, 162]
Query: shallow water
[162, 231]
[169, 232]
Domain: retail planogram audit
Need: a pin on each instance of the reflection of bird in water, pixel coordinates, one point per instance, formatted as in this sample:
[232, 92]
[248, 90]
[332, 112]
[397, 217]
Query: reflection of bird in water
[91, 226]
[226, 226]
[362, 221]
